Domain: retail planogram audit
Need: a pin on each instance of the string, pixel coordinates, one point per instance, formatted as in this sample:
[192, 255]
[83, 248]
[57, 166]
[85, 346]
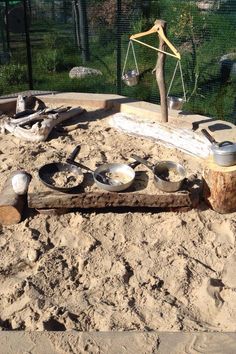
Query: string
[182, 79]
[126, 57]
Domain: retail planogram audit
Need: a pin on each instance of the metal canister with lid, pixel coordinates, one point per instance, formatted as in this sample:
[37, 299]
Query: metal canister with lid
[224, 153]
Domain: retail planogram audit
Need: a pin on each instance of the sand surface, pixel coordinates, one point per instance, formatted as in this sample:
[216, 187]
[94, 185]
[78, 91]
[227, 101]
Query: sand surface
[113, 271]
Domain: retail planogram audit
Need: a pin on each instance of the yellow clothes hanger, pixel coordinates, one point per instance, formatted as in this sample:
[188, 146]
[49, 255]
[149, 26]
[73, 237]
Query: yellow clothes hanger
[159, 30]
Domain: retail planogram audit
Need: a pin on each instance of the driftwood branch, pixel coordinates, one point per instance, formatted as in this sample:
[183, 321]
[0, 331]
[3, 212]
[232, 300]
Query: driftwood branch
[160, 73]
[45, 120]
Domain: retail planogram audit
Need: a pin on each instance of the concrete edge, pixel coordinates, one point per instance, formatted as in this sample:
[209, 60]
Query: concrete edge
[148, 111]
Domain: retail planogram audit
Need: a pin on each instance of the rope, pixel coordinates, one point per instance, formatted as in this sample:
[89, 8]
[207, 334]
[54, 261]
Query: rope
[126, 57]
[182, 79]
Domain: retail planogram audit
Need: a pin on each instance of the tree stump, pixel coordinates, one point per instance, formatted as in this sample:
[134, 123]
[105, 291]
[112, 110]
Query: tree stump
[11, 204]
[219, 187]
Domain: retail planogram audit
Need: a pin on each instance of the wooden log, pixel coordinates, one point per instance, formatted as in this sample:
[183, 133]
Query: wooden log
[11, 204]
[100, 200]
[219, 187]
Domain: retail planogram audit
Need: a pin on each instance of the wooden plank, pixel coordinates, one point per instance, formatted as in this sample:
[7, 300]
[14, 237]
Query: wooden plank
[99, 200]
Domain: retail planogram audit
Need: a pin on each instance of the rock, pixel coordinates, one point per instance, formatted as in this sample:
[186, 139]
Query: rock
[80, 72]
[20, 182]
[33, 255]
[209, 5]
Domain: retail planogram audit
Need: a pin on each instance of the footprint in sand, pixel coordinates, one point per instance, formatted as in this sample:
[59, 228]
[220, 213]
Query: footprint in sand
[214, 287]
[229, 272]
[224, 232]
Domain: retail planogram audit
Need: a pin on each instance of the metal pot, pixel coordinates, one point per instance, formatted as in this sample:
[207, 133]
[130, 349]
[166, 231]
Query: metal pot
[224, 153]
[161, 172]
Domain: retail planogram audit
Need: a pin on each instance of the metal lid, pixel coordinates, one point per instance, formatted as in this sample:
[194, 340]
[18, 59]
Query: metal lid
[224, 148]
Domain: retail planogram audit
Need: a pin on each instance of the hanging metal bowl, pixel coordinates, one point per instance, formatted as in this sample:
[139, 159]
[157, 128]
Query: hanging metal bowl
[175, 102]
[131, 77]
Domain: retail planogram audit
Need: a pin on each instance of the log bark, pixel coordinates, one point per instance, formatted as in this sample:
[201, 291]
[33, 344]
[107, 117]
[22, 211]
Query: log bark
[98, 200]
[160, 73]
[11, 204]
[219, 187]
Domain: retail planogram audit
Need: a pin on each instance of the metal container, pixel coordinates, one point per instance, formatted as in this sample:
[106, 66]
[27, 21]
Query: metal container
[175, 102]
[162, 170]
[131, 78]
[104, 181]
[224, 153]
[46, 172]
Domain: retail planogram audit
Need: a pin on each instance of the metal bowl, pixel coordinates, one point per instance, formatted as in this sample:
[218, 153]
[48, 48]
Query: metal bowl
[175, 102]
[115, 168]
[131, 78]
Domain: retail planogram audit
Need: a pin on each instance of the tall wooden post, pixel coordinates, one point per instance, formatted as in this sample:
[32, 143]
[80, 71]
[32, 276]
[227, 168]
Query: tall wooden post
[160, 73]
[118, 48]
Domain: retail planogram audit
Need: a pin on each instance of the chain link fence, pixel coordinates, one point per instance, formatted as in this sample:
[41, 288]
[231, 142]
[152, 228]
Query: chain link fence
[44, 44]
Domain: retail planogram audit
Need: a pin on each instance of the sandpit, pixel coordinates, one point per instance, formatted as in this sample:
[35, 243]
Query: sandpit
[114, 271]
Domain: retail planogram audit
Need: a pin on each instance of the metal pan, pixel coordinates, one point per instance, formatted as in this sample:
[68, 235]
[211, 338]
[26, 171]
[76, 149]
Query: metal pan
[162, 171]
[46, 172]
[113, 177]
[224, 153]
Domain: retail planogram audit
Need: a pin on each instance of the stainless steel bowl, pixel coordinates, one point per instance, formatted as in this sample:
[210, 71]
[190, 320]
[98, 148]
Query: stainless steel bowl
[175, 102]
[114, 168]
[131, 78]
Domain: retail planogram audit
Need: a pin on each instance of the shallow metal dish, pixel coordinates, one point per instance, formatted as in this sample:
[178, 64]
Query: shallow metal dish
[107, 183]
[116, 168]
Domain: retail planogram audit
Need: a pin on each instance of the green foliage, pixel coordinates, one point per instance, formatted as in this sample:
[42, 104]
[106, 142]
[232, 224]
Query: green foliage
[50, 60]
[13, 74]
[51, 57]
[52, 40]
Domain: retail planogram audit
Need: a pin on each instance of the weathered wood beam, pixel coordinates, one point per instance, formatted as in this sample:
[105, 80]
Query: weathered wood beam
[191, 142]
[98, 200]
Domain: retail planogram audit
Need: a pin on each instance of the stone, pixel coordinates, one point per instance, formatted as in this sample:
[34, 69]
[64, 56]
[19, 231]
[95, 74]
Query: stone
[80, 72]
[33, 255]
